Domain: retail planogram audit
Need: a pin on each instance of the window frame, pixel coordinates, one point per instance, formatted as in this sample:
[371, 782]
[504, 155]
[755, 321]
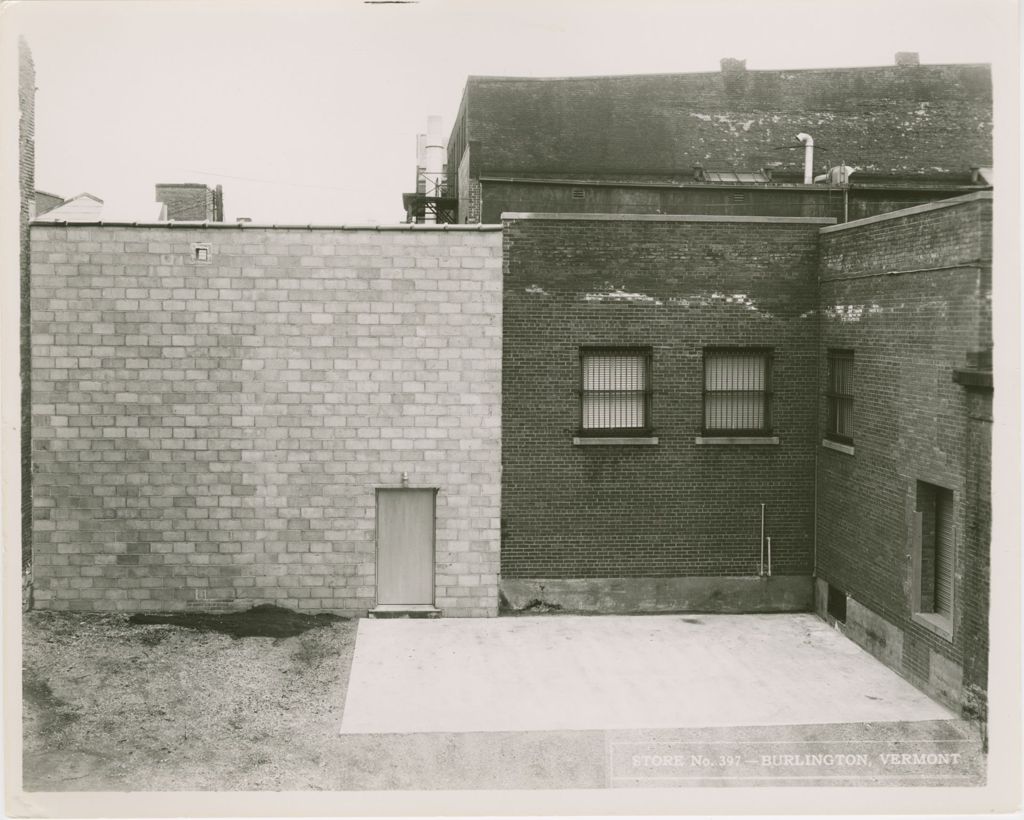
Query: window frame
[926, 610]
[833, 397]
[736, 432]
[646, 353]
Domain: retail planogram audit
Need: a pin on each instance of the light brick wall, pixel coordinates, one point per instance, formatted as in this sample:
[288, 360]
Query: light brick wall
[208, 433]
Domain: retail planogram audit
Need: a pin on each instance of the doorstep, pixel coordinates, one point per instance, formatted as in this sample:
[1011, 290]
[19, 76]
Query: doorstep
[404, 611]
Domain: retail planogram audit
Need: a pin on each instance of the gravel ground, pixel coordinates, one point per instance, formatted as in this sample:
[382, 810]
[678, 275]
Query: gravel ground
[109, 705]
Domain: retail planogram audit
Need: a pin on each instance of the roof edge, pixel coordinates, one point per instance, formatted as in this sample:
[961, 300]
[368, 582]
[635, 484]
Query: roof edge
[495, 77]
[513, 216]
[42, 222]
[952, 202]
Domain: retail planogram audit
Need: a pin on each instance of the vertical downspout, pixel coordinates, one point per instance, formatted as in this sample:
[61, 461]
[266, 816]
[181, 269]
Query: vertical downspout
[761, 572]
[846, 191]
[817, 409]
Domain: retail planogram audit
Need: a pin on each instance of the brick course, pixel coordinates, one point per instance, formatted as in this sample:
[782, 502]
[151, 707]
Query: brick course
[213, 433]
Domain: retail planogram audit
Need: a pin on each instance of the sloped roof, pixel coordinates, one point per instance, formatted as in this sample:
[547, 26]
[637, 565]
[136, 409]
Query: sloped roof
[887, 120]
[90, 208]
[81, 208]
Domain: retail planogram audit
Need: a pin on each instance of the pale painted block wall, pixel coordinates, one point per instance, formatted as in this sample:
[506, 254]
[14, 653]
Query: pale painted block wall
[211, 435]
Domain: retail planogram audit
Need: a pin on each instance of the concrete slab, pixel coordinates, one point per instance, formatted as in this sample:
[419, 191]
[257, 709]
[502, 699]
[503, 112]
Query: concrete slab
[618, 672]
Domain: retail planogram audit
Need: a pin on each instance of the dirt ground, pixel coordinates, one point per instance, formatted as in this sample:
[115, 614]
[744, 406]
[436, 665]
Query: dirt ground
[110, 705]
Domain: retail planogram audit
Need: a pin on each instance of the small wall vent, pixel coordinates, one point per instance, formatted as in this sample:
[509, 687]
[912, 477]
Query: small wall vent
[578, 193]
[201, 253]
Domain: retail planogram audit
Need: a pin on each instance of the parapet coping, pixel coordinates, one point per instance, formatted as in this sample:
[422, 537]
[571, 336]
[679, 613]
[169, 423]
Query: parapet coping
[599, 217]
[916, 209]
[248, 226]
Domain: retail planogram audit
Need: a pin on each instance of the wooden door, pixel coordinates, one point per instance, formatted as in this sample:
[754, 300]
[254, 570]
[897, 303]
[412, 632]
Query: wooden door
[405, 546]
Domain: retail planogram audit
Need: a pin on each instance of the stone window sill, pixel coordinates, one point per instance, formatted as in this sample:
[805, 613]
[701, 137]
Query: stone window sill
[937, 624]
[736, 440]
[622, 441]
[839, 448]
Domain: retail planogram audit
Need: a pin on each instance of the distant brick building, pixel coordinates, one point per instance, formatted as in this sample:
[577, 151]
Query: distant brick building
[191, 202]
[721, 142]
[46, 202]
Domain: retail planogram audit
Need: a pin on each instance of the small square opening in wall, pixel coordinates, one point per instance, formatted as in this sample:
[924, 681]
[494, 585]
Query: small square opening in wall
[836, 604]
[578, 193]
[201, 253]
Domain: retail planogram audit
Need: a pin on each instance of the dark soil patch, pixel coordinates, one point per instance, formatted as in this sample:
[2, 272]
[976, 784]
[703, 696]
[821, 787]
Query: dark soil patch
[55, 713]
[537, 605]
[264, 621]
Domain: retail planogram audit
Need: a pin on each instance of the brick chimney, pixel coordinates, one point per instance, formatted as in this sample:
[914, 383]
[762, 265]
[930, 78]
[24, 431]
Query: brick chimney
[192, 201]
[907, 58]
[731, 66]
[734, 74]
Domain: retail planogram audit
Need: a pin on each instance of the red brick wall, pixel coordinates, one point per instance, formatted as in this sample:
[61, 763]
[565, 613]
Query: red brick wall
[187, 202]
[882, 120]
[910, 296]
[676, 508]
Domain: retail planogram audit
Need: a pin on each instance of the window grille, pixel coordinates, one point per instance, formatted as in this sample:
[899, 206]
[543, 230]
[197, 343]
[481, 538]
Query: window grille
[615, 394]
[840, 396]
[737, 391]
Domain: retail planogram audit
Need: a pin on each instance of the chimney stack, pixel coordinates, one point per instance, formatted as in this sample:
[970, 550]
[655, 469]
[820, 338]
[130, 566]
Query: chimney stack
[191, 201]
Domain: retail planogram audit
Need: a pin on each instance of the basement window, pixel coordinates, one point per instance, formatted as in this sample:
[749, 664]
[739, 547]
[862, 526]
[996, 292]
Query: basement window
[737, 392]
[615, 391]
[837, 604]
[934, 557]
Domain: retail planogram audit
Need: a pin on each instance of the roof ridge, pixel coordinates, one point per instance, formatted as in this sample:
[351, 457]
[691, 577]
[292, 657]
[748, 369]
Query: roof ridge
[712, 72]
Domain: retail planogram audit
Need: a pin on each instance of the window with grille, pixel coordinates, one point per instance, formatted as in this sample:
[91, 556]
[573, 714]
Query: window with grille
[840, 396]
[737, 391]
[936, 534]
[615, 395]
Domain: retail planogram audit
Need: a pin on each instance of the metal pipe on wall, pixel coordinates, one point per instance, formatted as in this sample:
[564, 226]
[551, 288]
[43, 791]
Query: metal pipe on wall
[769, 556]
[761, 573]
[808, 142]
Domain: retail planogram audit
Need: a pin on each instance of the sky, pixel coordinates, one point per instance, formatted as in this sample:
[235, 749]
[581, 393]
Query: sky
[309, 111]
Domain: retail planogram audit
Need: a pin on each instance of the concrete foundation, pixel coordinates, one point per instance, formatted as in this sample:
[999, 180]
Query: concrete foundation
[943, 678]
[782, 593]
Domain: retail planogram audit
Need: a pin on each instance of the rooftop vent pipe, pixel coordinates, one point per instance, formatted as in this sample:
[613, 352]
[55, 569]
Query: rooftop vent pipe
[433, 160]
[808, 142]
